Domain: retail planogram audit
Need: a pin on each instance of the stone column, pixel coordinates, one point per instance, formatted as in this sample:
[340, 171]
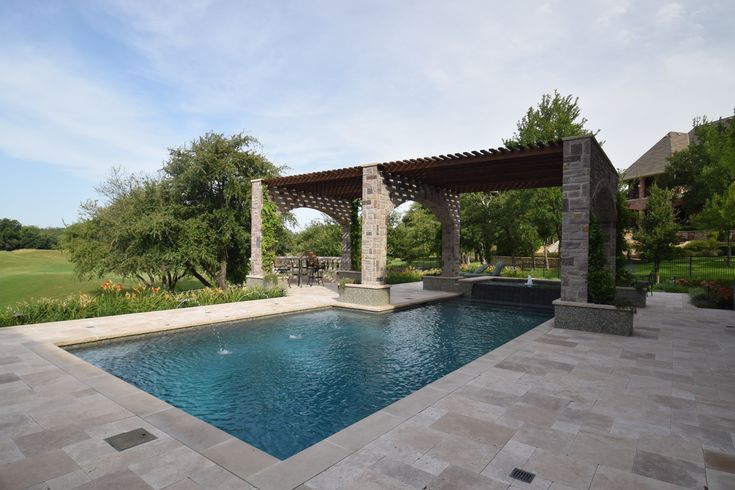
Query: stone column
[376, 209]
[345, 262]
[589, 186]
[256, 229]
[450, 237]
[575, 220]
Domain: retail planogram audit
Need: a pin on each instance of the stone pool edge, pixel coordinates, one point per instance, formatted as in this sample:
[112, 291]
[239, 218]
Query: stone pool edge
[250, 464]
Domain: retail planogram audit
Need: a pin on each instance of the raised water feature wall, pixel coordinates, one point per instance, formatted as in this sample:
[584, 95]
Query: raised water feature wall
[508, 292]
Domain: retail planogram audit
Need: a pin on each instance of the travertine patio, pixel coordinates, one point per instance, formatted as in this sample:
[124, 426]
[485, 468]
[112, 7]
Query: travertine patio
[581, 410]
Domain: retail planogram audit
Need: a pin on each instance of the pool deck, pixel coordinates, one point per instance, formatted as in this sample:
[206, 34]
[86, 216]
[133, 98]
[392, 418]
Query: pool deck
[580, 410]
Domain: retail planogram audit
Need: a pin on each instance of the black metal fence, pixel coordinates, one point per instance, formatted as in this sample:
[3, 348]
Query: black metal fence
[690, 268]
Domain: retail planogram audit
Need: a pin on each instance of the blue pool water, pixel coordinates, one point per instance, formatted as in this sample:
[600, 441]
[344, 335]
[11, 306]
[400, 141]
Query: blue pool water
[285, 383]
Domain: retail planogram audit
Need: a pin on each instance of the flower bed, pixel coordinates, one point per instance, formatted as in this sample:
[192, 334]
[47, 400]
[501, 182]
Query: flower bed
[114, 299]
[712, 294]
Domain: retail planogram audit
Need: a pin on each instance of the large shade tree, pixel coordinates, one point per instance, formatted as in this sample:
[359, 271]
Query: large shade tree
[193, 219]
[515, 221]
[706, 167]
[415, 235]
[209, 181]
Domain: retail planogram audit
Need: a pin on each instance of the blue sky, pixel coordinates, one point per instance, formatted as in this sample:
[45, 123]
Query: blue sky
[88, 85]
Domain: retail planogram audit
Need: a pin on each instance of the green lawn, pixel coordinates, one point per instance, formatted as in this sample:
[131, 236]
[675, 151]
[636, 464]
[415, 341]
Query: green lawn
[694, 268]
[28, 274]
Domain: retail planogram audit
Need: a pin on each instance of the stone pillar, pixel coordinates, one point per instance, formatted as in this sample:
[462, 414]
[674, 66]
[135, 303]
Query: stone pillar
[345, 262]
[376, 209]
[450, 236]
[589, 186]
[575, 220]
[256, 229]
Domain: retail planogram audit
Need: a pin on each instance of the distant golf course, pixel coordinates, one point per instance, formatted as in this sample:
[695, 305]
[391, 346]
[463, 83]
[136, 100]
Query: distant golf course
[31, 274]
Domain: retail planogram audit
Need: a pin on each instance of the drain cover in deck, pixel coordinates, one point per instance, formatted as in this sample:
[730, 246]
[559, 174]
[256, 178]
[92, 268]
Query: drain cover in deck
[522, 475]
[126, 440]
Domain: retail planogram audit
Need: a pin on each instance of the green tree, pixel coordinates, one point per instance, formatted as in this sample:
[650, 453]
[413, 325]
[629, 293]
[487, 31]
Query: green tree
[136, 234]
[478, 231]
[555, 117]
[545, 216]
[537, 218]
[719, 214]
[322, 237]
[38, 238]
[498, 221]
[9, 234]
[625, 222]
[209, 182]
[416, 235]
[706, 167]
[194, 219]
[658, 228]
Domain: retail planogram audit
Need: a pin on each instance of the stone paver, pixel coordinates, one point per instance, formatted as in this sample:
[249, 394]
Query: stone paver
[581, 410]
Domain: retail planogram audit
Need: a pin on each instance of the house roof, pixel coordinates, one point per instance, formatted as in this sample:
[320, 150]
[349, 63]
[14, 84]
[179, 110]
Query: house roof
[654, 161]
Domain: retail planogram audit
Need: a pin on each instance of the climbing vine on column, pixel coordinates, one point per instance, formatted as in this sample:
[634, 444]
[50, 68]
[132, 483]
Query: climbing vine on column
[356, 234]
[270, 227]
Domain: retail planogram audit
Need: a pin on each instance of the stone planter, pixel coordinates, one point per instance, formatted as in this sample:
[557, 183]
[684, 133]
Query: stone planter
[361, 294]
[266, 282]
[590, 317]
[354, 276]
[634, 296]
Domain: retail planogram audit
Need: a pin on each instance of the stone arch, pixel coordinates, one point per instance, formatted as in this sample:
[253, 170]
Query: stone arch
[339, 210]
[445, 206]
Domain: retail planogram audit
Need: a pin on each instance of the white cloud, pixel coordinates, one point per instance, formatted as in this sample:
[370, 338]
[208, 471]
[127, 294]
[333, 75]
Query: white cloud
[54, 114]
[329, 84]
[671, 12]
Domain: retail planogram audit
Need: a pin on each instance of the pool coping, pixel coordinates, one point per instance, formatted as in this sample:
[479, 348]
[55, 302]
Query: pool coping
[249, 463]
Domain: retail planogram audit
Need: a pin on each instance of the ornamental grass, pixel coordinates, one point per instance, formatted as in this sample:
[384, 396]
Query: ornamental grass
[114, 299]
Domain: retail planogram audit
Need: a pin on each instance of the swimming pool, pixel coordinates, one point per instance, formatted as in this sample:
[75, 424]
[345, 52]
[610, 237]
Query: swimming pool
[284, 383]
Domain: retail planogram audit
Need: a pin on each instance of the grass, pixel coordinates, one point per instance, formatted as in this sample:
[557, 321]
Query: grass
[35, 274]
[698, 268]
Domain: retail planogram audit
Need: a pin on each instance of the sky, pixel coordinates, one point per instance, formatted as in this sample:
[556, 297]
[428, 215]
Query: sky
[86, 86]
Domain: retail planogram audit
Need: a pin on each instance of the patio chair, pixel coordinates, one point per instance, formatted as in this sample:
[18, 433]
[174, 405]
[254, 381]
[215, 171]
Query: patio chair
[314, 270]
[481, 269]
[498, 268]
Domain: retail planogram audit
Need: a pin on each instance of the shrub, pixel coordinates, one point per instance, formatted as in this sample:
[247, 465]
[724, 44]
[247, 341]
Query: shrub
[702, 248]
[409, 275]
[600, 286]
[513, 272]
[712, 294]
[113, 299]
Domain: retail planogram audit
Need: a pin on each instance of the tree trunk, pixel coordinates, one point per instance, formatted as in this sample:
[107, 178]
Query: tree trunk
[200, 277]
[221, 276]
[546, 256]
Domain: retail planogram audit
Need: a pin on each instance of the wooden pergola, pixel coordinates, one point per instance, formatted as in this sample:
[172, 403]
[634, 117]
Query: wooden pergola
[500, 169]
[578, 164]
